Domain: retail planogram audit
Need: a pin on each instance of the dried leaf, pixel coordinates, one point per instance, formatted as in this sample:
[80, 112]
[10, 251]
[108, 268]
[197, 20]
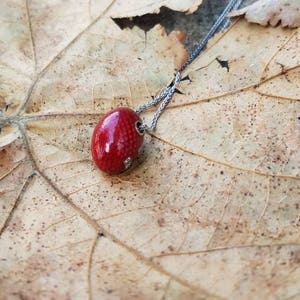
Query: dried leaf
[273, 12]
[131, 8]
[211, 212]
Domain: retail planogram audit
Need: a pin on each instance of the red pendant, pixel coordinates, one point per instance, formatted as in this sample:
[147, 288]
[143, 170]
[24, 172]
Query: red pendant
[116, 140]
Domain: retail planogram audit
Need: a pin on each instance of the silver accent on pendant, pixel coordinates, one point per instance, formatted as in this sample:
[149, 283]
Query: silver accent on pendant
[128, 162]
[139, 127]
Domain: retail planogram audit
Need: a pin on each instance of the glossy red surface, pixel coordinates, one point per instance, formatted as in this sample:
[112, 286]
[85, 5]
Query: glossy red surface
[116, 139]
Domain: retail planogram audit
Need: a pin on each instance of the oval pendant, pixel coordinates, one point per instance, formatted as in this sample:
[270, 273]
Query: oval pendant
[116, 140]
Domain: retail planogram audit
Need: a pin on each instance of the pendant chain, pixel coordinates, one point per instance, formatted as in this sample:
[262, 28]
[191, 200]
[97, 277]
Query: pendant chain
[165, 96]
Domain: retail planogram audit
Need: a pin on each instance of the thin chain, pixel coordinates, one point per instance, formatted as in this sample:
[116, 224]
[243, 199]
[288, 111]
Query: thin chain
[166, 95]
[233, 4]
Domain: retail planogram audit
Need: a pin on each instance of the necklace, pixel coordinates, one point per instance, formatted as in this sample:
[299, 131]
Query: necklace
[119, 134]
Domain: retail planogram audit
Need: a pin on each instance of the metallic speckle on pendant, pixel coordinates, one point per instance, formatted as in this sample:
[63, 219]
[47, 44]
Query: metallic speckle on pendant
[128, 162]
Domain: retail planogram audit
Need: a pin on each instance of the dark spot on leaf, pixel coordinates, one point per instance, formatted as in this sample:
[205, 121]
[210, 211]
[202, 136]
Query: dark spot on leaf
[186, 78]
[178, 92]
[101, 234]
[223, 63]
[161, 222]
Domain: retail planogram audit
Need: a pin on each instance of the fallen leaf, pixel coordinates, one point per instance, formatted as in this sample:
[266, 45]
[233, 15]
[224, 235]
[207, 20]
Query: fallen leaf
[273, 12]
[212, 210]
[132, 8]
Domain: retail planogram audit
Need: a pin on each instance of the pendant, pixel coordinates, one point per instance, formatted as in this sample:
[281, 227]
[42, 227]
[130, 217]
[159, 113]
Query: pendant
[116, 140]
[119, 135]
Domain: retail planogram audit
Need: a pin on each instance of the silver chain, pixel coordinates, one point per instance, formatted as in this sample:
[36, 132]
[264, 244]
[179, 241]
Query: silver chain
[165, 96]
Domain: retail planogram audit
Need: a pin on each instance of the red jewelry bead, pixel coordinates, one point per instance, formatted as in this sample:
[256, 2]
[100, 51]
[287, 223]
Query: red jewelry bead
[116, 140]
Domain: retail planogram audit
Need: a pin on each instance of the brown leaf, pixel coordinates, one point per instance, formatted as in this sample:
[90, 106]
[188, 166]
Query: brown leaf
[273, 12]
[212, 210]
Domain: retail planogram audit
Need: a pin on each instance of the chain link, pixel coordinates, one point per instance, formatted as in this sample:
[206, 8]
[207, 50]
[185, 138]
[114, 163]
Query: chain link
[166, 95]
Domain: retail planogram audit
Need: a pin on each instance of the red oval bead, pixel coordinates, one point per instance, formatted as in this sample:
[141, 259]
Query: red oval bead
[116, 140]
